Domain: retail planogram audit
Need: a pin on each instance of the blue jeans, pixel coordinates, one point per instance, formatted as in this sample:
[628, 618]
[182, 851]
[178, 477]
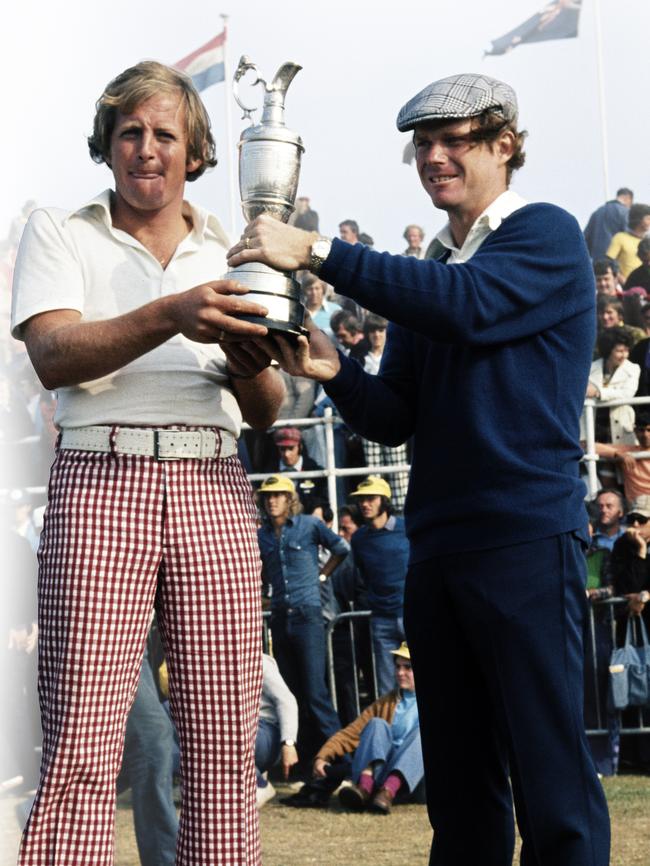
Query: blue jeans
[267, 746]
[299, 649]
[387, 635]
[376, 744]
[147, 770]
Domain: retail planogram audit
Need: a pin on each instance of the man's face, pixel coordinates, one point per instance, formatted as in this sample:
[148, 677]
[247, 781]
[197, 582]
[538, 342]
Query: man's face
[289, 454]
[314, 293]
[369, 506]
[606, 283]
[347, 527]
[346, 234]
[413, 238]
[404, 674]
[643, 435]
[276, 504]
[609, 317]
[458, 175]
[345, 337]
[645, 224]
[149, 154]
[609, 509]
[626, 199]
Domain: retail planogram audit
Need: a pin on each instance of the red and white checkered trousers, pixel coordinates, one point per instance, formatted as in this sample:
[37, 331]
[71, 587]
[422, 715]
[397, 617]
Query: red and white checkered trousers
[124, 533]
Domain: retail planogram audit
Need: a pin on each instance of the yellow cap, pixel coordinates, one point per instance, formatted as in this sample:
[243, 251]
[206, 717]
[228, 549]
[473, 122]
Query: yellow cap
[403, 651]
[373, 485]
[277, 484]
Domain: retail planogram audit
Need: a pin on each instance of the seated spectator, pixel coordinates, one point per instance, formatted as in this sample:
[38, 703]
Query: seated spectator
[376, 454]
[277, 730]
[610, 523]
[414, 237]
[640, 277]
[606, 274]
[348, 330]
[381, 553]
[611, 315]
[636, 472]
[384, 742]
[624, 245]
[291, 456]
[613, 377]
[289, 546]
[319, 308]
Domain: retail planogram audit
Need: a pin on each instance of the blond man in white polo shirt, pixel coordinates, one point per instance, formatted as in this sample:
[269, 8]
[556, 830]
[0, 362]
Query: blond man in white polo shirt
[124, 315]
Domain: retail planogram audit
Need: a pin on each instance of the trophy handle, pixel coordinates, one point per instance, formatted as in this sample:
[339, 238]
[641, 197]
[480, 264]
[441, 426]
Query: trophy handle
[246, 65]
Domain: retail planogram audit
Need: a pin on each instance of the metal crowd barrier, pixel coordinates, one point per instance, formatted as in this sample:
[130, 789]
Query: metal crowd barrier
[642, 725]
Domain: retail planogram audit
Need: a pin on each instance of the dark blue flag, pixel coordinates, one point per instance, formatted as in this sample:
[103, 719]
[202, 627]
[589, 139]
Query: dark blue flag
[557, 20]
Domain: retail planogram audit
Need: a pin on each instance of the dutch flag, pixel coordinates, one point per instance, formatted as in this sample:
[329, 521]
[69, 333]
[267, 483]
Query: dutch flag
[205, 66]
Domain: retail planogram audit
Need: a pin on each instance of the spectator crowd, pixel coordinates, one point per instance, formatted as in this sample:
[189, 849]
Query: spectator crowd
[316, 568]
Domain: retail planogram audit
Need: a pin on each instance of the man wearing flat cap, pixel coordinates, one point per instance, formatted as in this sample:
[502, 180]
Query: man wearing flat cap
[495, 332]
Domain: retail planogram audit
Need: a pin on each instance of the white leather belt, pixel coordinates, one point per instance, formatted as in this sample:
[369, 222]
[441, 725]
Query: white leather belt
[163, 444]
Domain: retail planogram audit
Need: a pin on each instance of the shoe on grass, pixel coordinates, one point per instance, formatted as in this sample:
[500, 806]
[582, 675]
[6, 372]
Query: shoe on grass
[353, 798]
[382, 802]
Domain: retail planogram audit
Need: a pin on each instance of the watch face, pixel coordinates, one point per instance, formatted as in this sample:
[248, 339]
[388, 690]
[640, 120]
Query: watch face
[321, 249]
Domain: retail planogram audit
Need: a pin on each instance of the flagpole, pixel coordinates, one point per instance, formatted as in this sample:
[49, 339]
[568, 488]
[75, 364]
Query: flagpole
[601, 97]
[229, 135]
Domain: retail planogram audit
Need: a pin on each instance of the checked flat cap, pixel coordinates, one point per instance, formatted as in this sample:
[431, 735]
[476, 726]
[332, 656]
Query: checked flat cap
[458, 96]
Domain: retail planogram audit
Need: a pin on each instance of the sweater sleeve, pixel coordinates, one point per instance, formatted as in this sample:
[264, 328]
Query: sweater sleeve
[383, 405]
[347, 739]
[521, 281]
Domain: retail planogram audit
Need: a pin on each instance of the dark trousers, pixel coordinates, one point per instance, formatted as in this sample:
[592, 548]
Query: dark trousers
[300, 651]
[496, 638]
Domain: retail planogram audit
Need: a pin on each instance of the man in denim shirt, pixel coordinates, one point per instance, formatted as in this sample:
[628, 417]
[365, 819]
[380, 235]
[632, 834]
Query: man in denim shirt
[289, 543]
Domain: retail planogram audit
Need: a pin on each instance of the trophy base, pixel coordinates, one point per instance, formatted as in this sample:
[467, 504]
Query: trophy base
[279, 292]
[286, 329]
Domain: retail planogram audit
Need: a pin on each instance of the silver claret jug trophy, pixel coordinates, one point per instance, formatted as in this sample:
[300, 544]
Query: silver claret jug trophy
[269, 167]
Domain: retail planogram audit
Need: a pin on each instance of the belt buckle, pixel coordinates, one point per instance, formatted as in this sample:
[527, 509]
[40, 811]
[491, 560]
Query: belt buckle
[156, 447]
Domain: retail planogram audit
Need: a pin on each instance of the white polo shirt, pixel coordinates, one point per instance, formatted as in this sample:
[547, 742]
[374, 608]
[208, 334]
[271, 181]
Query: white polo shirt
[78, 261]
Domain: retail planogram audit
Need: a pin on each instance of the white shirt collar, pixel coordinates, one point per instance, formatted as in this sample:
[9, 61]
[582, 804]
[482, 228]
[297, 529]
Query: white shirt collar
[490, 220]
[203, 222]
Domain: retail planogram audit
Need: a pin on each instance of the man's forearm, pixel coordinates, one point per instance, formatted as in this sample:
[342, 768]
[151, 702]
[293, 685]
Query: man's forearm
[260, 397]
[67, 351]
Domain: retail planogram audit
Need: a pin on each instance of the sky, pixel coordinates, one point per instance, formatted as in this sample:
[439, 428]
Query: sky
[361, 63]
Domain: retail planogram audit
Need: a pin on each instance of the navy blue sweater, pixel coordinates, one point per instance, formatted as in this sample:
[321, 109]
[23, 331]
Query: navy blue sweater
[486, 366]
[382, 558]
